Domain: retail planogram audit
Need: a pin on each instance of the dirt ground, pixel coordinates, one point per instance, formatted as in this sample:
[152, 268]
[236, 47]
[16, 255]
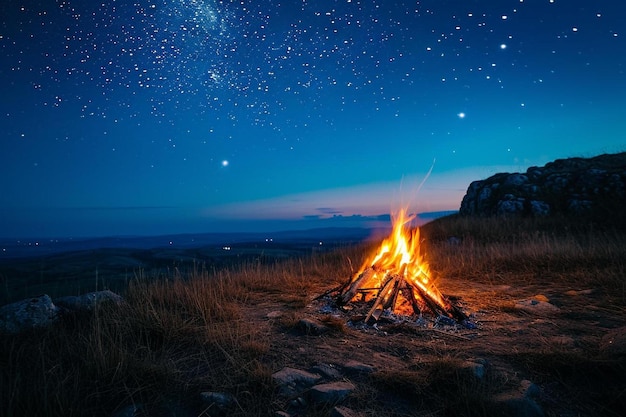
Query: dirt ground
[549, 335]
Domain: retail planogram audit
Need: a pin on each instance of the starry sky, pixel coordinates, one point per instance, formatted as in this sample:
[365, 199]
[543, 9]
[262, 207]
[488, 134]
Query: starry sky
[122, 117]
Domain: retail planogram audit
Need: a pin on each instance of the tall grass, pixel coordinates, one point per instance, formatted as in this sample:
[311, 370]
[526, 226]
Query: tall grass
[172, 338]
[192, 331]
[530, 251]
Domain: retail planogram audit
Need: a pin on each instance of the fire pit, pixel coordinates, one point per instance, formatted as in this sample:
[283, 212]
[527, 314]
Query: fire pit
[397, 279]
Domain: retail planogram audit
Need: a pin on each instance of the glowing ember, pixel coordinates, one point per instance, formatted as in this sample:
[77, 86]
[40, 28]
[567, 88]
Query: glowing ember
[398, 269]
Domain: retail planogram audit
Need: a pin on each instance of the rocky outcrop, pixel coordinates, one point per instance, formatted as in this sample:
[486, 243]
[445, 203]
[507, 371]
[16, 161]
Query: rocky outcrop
[40, 311]
[32, 313]
[566, 186]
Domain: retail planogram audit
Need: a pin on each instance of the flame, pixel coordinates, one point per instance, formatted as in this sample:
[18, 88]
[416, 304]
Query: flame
[399, 255]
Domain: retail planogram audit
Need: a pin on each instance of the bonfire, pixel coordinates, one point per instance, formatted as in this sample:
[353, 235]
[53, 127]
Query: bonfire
[398, 279]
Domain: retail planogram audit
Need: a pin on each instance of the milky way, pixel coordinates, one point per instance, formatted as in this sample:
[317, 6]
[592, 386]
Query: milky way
[212, 105]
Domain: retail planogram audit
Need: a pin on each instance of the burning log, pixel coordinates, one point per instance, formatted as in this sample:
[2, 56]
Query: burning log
[397, 272]
[388, 297]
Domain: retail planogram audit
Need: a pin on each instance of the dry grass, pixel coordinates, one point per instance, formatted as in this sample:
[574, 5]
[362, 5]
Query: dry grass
[206, 330]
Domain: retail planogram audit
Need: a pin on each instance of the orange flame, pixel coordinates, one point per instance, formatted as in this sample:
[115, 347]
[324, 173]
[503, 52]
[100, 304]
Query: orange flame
[399, 254]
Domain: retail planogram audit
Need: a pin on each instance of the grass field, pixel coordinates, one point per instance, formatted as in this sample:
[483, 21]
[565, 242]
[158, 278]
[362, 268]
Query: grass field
[208, 330]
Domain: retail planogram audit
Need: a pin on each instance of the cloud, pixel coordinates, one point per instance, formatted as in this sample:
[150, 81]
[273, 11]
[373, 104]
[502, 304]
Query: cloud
[329, 210]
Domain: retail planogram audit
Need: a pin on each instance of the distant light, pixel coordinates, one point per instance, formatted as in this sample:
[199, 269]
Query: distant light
[461, 115]
[504, 17]
[225, 163]
[503, 46]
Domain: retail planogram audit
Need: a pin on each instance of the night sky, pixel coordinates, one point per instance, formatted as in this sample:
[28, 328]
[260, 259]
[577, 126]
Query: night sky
[123, 117]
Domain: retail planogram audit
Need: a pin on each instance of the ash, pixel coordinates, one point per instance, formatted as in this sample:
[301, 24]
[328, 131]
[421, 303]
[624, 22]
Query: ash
[355, 312]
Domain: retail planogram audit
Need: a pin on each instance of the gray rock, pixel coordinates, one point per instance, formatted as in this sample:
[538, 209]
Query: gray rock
[538, 307]
[222, 401]
[295, 376]
[576, 206]
[332, 392]
[515, 180]
[32, 313]
[292, 381]
[358, 367]
[298, 402]
[326, 370]
[539, 208]
[274, 314]
[510, 205]
[476, 368]
[89, 301]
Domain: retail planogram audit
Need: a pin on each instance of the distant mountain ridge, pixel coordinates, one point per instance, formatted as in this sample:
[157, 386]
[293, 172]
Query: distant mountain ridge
[573, 186]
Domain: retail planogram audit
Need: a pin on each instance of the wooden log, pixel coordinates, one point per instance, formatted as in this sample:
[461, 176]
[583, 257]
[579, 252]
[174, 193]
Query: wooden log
[407, 292]
[382, 298]
[355, 286]
[430, 302]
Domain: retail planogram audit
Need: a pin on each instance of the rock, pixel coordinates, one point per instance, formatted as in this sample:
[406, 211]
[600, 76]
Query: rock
[341, 411]
[88, 302]
[332, 392]
[541, 297]
[32, 313]
[298, 402]
[539, 208]
[475, 367]
[356, 367]
[295, 376]
[274, 314]
[326, 370]
[614, 342]
[520, 402]
[281, 414]
[575, 186]
[222, 401]
[510, 205]
[292, 381]
[312, 327]
[538, 307]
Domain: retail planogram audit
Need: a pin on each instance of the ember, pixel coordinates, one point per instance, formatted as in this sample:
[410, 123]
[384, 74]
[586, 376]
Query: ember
[398, 279]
